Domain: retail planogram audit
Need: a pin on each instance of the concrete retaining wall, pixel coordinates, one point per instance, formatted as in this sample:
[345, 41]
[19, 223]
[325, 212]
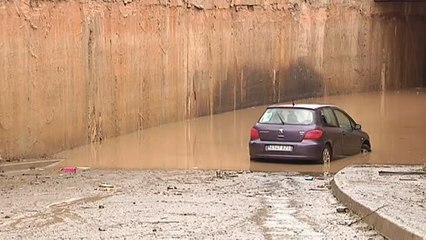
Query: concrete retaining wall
[72, 72]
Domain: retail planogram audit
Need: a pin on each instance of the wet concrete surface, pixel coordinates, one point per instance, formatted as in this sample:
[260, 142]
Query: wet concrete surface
[391, 198]
[395, 121]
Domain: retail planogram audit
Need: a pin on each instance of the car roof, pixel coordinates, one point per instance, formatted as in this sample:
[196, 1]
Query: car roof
[307, 106]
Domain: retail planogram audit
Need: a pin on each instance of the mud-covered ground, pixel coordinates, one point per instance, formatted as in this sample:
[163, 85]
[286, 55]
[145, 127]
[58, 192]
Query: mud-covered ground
[99, 204]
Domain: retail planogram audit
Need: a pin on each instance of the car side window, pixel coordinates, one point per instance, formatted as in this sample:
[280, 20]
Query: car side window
[328, 117]
[344, 121]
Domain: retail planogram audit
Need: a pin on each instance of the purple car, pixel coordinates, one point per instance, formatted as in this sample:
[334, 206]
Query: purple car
[306, 132]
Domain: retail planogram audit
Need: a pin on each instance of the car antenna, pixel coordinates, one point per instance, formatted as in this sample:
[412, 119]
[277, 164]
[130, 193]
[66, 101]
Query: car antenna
[292, 102]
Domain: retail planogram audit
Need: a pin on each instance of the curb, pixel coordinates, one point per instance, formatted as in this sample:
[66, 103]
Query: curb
[386, 227]
[27, 164]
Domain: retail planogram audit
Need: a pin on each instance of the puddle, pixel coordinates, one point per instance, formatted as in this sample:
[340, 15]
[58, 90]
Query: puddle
[396, 122]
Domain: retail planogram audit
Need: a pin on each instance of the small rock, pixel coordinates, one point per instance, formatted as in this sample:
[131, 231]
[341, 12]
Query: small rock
[101, 229]
[6, 216]
[309, 178]
[154, 230]
[101, 206]
[342, 209]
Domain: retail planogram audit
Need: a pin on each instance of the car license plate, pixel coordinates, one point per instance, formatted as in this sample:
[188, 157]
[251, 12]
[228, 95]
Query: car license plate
[283, 148]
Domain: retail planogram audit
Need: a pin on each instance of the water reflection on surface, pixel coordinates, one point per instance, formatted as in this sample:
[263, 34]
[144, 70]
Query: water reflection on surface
[396, 122]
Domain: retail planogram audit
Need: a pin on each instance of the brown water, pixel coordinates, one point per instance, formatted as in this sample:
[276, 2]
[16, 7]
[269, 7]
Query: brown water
[395, 121]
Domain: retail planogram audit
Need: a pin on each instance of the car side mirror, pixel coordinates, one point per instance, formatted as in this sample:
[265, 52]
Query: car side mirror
[357, 127]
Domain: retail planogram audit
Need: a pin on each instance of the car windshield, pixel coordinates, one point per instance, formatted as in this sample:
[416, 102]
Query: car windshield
[296, 116]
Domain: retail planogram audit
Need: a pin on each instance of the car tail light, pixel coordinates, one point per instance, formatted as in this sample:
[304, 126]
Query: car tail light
[254, 134]
[313, 134]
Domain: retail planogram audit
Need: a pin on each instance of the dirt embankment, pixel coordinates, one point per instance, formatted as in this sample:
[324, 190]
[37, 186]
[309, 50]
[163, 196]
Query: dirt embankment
[73, 72]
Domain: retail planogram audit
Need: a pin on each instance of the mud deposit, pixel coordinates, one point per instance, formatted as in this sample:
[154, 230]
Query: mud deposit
[172, 205]
[394, 120]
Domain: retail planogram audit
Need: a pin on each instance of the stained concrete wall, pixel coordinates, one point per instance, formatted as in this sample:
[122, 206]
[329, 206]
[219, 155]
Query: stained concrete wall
[72, 72]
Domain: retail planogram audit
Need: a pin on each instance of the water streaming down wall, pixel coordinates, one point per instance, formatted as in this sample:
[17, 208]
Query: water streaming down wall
[74, 72]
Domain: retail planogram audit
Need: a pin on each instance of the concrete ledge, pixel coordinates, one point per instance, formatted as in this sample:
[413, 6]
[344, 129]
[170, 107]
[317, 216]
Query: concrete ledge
[26, 164]
[376, 199]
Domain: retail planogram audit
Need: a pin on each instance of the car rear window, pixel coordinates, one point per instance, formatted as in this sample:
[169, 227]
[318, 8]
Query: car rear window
[296, 116]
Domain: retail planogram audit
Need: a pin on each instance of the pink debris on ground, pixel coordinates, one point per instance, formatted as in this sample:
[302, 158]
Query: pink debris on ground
[69, 169]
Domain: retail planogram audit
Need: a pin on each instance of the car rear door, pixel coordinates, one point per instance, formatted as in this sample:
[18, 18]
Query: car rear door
[350, 140]
[332, 130]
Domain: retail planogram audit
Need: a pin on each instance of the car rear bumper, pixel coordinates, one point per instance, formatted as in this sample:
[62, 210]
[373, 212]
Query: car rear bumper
[305, 150]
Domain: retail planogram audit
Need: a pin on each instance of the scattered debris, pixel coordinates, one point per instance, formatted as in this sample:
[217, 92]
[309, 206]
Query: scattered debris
[342, 209]
[309, 178]
[105, 187]
[400, 173]
[69, 169]
[7, 216]
[408, 179]
[317, 189]
[224, 174]
[220, 174]
[83, 168]
[202, 194]
[363, 217]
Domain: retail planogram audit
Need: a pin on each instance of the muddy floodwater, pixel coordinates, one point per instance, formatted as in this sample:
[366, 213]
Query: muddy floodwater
[395, 121]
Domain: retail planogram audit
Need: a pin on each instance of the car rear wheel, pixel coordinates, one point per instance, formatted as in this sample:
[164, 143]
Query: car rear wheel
[365, 148]
[326, 154]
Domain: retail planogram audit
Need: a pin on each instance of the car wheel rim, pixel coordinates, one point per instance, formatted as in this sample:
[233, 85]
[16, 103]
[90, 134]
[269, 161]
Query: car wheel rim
[326, 155]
